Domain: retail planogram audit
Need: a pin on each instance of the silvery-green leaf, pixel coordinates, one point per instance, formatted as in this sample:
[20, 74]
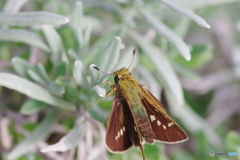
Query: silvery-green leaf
[109, 57]
[56, 89]
[78, 71]
[77, 15]
[100, 91]
[32, 106]
[161, 65]
[87, 34]
[98, 113]
[24, 36]
[77, 22]
[69, 141]
[43, 73]
[36, 77]
[93, 71]
[204, 3]
[32, 90]
[35, 137]
[186, 12]
[32, 18]
[13, 6]
[54, 41]
[163, 30]
[20, 66]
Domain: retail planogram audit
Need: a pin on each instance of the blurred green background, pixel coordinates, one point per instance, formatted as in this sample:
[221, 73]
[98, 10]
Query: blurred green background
[46, 79]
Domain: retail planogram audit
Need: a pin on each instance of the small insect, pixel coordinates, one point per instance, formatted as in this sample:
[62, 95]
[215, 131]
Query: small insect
[137, 116]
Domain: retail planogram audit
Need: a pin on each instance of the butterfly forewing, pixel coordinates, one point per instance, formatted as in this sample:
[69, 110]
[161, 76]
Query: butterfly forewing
[120, 130]
[163, 127]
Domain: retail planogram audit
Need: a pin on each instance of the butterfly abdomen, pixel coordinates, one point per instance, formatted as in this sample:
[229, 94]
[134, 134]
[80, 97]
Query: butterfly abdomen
[142, 122]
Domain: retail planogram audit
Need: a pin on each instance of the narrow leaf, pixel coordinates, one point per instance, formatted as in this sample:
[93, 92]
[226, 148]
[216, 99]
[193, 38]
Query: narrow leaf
[32, 106]
[69, 141]
[162, 66]
[32, 18]
[185, 12]
[32, 90]
[109, 57]
[163, 30]
[204, 3]
[36, 77]
[54, 41]
[56, 89]
[42, 71]
[100, 91]
[98, 113]
[35, 137]
[24, 36]
[78, 71]
[77, 22]
[20, 66]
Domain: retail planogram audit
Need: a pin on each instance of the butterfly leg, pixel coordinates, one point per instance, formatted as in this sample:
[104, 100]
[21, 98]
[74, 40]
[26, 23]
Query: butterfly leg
[107, 94]
[104, 83]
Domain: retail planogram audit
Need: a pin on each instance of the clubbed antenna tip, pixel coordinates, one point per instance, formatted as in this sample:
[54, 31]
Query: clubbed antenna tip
[95, 67]
[134, 50]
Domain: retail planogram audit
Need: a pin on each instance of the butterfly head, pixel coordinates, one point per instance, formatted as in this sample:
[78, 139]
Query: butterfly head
[120, 73]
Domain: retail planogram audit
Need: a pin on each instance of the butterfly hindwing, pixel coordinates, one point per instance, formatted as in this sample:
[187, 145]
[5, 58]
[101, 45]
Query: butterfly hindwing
[163, 127]
[120, 130]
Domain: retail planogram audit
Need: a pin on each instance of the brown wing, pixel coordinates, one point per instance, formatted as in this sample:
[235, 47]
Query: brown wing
[146, 91]
[164, 128]
[121, 134]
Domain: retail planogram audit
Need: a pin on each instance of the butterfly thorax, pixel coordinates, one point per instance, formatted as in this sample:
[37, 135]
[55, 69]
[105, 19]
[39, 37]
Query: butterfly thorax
[121, 73]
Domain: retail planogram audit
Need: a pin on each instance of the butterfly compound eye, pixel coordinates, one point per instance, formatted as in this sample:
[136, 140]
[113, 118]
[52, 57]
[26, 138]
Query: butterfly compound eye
[116, 79]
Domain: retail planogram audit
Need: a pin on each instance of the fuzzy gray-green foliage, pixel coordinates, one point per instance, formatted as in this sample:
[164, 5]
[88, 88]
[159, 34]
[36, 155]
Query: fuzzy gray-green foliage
[46, 52]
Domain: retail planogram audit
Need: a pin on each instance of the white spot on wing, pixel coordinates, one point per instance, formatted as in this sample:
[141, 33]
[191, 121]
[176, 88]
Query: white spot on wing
[164, 127]
[170, 124]
[124, 129]
[121, 132]
[158, 123]
[153, 118]
[118, 134]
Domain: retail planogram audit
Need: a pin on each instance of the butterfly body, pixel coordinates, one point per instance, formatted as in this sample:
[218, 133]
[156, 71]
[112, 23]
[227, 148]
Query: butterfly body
[137, 116]
[125, 90]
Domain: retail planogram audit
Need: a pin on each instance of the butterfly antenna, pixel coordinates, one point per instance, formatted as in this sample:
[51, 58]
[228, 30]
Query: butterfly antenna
[95, 67]
[134, 50]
